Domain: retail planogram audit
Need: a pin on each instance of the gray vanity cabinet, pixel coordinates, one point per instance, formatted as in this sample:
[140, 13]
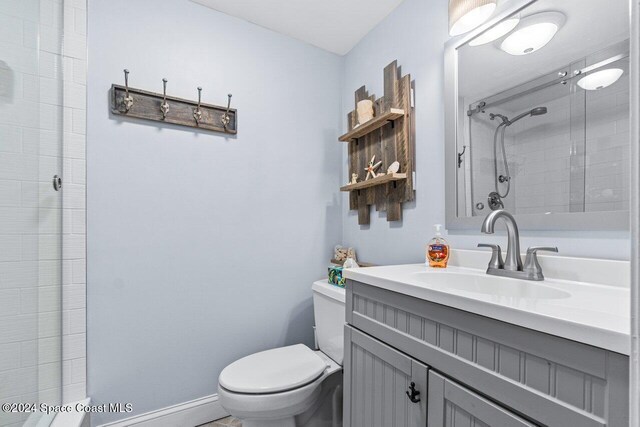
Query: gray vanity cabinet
[377, 379]
[481, 370]
[451, 405]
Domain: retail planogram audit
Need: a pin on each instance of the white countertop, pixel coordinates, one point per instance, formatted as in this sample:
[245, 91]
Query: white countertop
[594, 314]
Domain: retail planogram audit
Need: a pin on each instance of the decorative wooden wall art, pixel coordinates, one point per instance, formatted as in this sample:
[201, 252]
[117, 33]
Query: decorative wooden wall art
[141, 104]
[388, 137]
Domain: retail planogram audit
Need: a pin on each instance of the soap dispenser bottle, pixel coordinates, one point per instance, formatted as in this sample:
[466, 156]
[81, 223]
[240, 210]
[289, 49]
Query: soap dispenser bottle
[438, 249]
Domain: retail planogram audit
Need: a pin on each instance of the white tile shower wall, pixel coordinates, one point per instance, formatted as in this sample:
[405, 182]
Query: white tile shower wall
[607, 148]
[543, 148]
[29, 213]
[30, 258]
[74, 65]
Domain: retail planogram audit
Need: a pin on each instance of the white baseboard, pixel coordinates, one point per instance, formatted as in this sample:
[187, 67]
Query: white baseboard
[187, 414]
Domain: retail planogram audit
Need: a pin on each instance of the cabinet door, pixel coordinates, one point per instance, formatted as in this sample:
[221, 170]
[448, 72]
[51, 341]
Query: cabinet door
[451, 405]
[377, 379]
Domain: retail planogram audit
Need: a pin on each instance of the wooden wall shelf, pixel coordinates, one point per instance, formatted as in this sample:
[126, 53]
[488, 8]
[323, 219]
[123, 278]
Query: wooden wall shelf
[372, 125]
[388, 137]
[384, 179]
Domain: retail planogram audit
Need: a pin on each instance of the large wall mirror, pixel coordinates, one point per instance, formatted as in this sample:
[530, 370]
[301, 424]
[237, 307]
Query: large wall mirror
[537, 117]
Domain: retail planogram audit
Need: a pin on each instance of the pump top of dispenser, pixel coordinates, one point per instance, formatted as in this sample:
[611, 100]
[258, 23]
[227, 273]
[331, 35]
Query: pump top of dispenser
[438, 229]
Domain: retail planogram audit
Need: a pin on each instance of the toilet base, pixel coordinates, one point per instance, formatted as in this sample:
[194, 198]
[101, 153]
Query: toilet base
[325, 411]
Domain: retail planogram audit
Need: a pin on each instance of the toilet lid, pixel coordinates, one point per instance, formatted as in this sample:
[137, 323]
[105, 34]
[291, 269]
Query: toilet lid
[270, 371]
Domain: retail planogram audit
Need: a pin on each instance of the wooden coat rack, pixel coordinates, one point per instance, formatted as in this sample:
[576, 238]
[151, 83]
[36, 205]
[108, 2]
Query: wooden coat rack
[159, 107]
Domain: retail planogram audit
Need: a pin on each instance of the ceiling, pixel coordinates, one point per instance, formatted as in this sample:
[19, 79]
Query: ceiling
[333, 25]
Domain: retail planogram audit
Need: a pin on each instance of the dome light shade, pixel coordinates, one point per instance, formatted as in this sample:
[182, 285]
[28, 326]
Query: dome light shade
[600, 79]
[496, 32]
[465, 15]
[533, 33]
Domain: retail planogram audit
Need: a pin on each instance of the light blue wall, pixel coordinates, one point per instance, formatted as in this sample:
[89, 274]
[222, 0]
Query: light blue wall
[415, 34]
[202, 248]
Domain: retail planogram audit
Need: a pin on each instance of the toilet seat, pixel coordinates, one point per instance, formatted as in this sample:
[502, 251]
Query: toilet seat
[278, 405]
[271, 405]
[273, 371]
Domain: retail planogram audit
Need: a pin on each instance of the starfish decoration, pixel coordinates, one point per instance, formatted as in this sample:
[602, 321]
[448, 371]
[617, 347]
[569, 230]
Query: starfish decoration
[371, 168]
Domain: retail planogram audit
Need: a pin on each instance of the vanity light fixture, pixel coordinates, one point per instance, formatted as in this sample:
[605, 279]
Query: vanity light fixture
[533, 33]
[465, 15]
[496, 32]
[600, 79]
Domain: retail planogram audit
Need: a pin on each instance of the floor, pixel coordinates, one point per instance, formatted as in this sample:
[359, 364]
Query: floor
[224, 422]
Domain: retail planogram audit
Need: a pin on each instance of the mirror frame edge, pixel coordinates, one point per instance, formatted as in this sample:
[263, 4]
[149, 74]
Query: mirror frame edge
[575, 221]
[634, 358]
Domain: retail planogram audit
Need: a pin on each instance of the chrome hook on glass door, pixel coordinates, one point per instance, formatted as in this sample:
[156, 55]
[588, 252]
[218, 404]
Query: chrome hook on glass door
[164, 107]
[460, 155]
[127, 101]
[57, 183]
[226, 118]
[197, 114]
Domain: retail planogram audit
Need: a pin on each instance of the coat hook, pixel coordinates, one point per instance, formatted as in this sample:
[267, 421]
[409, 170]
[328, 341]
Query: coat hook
[197, 114]
[127, 101]
[225, 117]
[164, 107]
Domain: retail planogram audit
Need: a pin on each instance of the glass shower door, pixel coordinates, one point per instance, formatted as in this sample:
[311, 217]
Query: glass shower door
[550, 145]
[31, 116]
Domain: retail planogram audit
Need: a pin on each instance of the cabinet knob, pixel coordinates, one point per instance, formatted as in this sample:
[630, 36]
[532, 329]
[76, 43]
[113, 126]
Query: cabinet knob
[413, 396]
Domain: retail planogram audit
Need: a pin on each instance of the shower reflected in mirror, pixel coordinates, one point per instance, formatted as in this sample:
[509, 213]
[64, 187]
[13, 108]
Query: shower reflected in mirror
[505, 178]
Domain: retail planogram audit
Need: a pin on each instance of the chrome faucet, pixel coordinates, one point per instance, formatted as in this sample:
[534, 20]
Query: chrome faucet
[512, 266]
[513, 261]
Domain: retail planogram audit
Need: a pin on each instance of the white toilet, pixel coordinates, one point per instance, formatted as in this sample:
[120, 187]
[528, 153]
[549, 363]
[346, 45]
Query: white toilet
[292, 386]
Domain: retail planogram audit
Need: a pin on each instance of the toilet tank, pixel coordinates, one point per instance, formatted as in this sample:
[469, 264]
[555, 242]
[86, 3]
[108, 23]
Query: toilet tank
[329, 313]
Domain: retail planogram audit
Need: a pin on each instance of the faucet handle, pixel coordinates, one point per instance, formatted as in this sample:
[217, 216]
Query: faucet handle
[496, 261]
[533, 250]
[531, 264]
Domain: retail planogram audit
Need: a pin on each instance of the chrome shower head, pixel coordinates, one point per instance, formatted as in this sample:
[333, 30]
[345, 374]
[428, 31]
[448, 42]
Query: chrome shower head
[538, 111]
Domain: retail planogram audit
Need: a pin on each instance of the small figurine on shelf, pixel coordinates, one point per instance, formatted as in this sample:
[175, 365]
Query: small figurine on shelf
[394, 168]
[371, 168]
[365, 111]
[350, 263]
[354, 178]
[340, 253]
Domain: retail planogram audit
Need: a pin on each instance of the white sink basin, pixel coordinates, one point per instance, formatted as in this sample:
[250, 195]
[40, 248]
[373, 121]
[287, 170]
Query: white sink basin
[489, 285]
[584, 300]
